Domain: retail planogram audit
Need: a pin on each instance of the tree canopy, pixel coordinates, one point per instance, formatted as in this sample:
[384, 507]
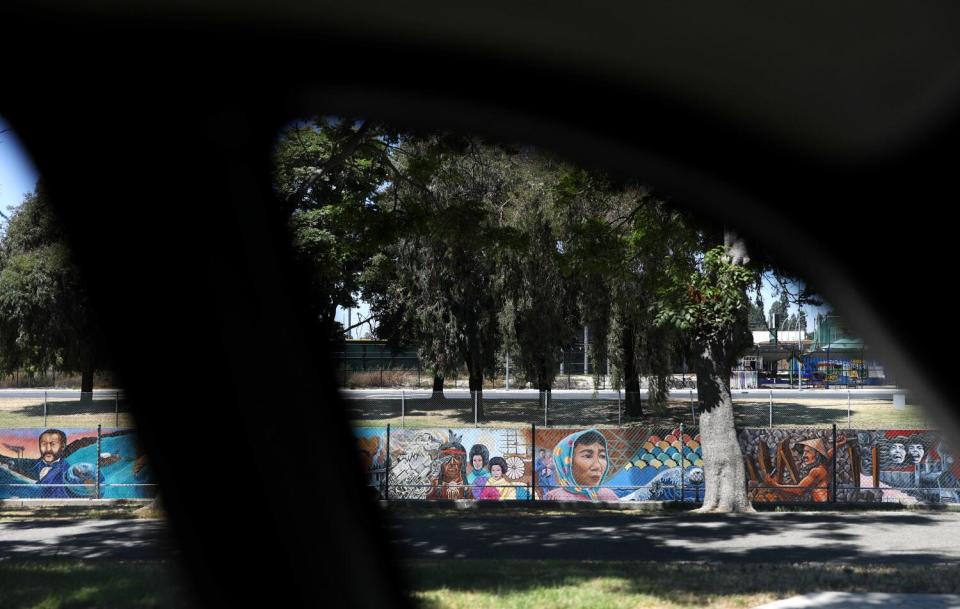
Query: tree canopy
[471, 249]
[45, 316]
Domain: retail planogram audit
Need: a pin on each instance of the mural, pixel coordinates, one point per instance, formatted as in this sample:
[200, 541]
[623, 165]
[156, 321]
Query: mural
[60, 464]
[797, 464]
[907, 466]
[372, 444]
[668, 466]
[485, 464]
[631, 464]
[665, 464]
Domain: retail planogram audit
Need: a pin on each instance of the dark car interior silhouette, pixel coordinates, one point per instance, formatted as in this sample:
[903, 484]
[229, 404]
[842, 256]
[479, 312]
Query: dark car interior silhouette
[824, 134]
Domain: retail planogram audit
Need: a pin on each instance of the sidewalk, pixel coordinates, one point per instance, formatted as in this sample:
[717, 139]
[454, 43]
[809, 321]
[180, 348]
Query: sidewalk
[868, 600]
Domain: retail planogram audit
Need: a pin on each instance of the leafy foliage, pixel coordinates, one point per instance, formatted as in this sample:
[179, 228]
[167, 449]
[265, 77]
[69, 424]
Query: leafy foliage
[45, 317]
[714, 301]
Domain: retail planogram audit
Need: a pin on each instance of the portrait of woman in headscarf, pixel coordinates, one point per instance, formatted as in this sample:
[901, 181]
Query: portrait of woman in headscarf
[580, 466]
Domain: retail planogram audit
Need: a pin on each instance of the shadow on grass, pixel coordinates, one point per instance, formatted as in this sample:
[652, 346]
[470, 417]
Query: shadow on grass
[72, 407]
[74, 584]
[855, 537]
[757, 414]
[606, 412]
[682, 584]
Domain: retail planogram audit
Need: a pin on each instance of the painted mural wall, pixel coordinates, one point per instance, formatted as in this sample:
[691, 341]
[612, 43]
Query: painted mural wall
[785, 465]
[40, 463]
[665, 464]
[907, 466]
[485, 464]
[634, 464]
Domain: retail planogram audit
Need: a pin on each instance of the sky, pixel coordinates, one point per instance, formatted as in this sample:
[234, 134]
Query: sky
[769, 297]
[28, 439]
[18, 176]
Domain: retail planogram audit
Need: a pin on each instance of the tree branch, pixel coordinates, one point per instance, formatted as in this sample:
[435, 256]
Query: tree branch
[361, 322]
[335, 160]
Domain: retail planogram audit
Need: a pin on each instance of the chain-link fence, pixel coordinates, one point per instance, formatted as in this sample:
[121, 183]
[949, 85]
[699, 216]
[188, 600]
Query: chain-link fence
[866, 409]
[64, 408]
[73, 463]
[813, 465]
[459, 408]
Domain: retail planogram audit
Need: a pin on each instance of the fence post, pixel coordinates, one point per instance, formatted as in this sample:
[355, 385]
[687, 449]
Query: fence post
[849, 425]
[693, 413]
[543, 398]
[507, 376]
[619, 410]
[833, 495]
[45, 407]
[97, 469]
[403, 408]
[474, 407]
[386, 484]
[116, 409]
[771, 407]
[533, 447]
[682, 469]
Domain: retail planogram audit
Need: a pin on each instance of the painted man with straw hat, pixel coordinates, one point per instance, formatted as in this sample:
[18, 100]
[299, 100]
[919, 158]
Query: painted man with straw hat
[817, 481]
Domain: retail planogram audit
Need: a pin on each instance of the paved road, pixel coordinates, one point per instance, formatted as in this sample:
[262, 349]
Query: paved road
[876, 393]
[117, 539]
[875, 537]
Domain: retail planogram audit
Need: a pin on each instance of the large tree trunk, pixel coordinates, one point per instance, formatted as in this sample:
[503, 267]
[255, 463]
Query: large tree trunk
[724, 472]
[476, 393]
[658, 393]
[631, 375]
[546, 396]
[86, 384]
[437, 388]
[475, 370]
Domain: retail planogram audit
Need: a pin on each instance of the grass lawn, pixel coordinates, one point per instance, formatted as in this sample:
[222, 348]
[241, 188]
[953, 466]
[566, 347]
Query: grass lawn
[546, 584]
[72, 584]
[864, 413]
[62, 413]
[116, 510]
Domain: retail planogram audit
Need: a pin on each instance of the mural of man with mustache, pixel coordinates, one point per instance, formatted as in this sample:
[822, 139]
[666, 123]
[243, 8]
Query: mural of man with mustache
[50, 467]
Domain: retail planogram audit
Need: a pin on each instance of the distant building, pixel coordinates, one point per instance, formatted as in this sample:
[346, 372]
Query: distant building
[827, 357]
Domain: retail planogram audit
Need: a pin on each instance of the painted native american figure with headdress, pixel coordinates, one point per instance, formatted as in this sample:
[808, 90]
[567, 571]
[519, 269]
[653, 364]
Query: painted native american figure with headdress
[448, 474]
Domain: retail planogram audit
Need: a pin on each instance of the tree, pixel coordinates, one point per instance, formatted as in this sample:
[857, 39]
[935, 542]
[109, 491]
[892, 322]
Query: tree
[445, 258]
[711, 306]
[540, 317]
[329, 174]
[756, 318]
[45, 316]
[779, 312]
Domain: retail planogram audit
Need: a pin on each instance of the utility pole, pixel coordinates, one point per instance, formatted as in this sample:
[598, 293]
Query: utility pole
[799, 347]
[585, 350]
